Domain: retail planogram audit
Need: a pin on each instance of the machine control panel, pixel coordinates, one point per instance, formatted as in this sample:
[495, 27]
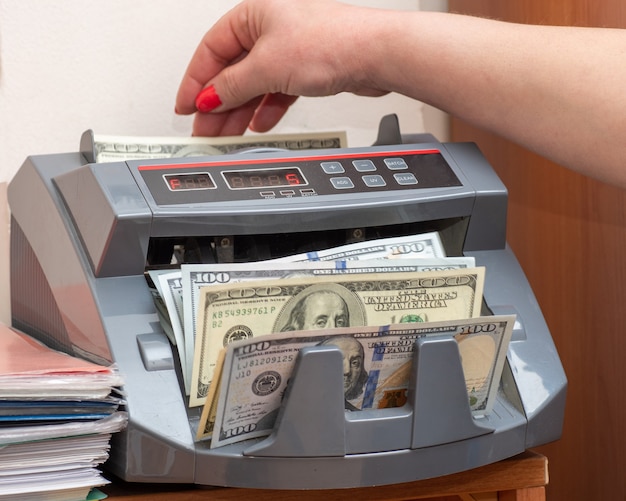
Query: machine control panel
[296, 176]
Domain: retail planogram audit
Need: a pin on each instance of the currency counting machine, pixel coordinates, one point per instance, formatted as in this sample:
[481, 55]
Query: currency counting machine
[84, 233]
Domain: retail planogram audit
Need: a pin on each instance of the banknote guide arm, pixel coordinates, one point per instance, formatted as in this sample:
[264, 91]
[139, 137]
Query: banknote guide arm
[312, 421]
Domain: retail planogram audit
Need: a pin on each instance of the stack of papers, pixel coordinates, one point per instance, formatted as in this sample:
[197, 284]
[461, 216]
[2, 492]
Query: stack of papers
[57, 415]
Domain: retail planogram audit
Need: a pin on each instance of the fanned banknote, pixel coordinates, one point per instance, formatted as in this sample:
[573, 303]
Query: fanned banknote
[172, 292]
[161, 308]
[256, 372]
[423, 245]
[251, 309]
[196, 276]
[120, 148]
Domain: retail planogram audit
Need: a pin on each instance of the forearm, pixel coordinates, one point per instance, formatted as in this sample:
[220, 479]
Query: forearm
[558, 91]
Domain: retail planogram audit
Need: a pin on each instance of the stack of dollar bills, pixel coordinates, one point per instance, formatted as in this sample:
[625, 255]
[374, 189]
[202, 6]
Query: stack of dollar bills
[373, 299]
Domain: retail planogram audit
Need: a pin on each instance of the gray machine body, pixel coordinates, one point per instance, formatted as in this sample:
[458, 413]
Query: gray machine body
[82, 235]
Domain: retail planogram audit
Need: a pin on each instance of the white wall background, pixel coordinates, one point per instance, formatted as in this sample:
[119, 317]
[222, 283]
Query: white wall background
[114, 67]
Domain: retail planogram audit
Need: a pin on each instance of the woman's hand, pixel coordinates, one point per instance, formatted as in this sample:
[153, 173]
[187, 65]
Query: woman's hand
[255, 61]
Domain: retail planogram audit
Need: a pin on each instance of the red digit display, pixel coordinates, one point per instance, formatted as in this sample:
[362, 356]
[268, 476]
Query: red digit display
[268, 178]
[189, 181]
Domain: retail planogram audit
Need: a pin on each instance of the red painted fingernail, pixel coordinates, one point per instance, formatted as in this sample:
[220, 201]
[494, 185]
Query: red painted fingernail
[208, 100]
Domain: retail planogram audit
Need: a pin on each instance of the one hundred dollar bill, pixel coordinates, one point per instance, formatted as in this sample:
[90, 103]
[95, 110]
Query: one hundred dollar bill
[423, 245]
[253, 381]
[196, 276]
[120, 148]
[247, 310]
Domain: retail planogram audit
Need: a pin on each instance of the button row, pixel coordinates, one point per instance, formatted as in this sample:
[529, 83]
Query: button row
[373, 181]
[364, 165]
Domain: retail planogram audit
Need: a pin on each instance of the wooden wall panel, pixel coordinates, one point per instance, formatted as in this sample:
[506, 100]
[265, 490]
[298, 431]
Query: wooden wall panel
[569, 233]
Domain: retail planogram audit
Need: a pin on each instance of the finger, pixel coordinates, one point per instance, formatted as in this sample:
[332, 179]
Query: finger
[270, 111]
